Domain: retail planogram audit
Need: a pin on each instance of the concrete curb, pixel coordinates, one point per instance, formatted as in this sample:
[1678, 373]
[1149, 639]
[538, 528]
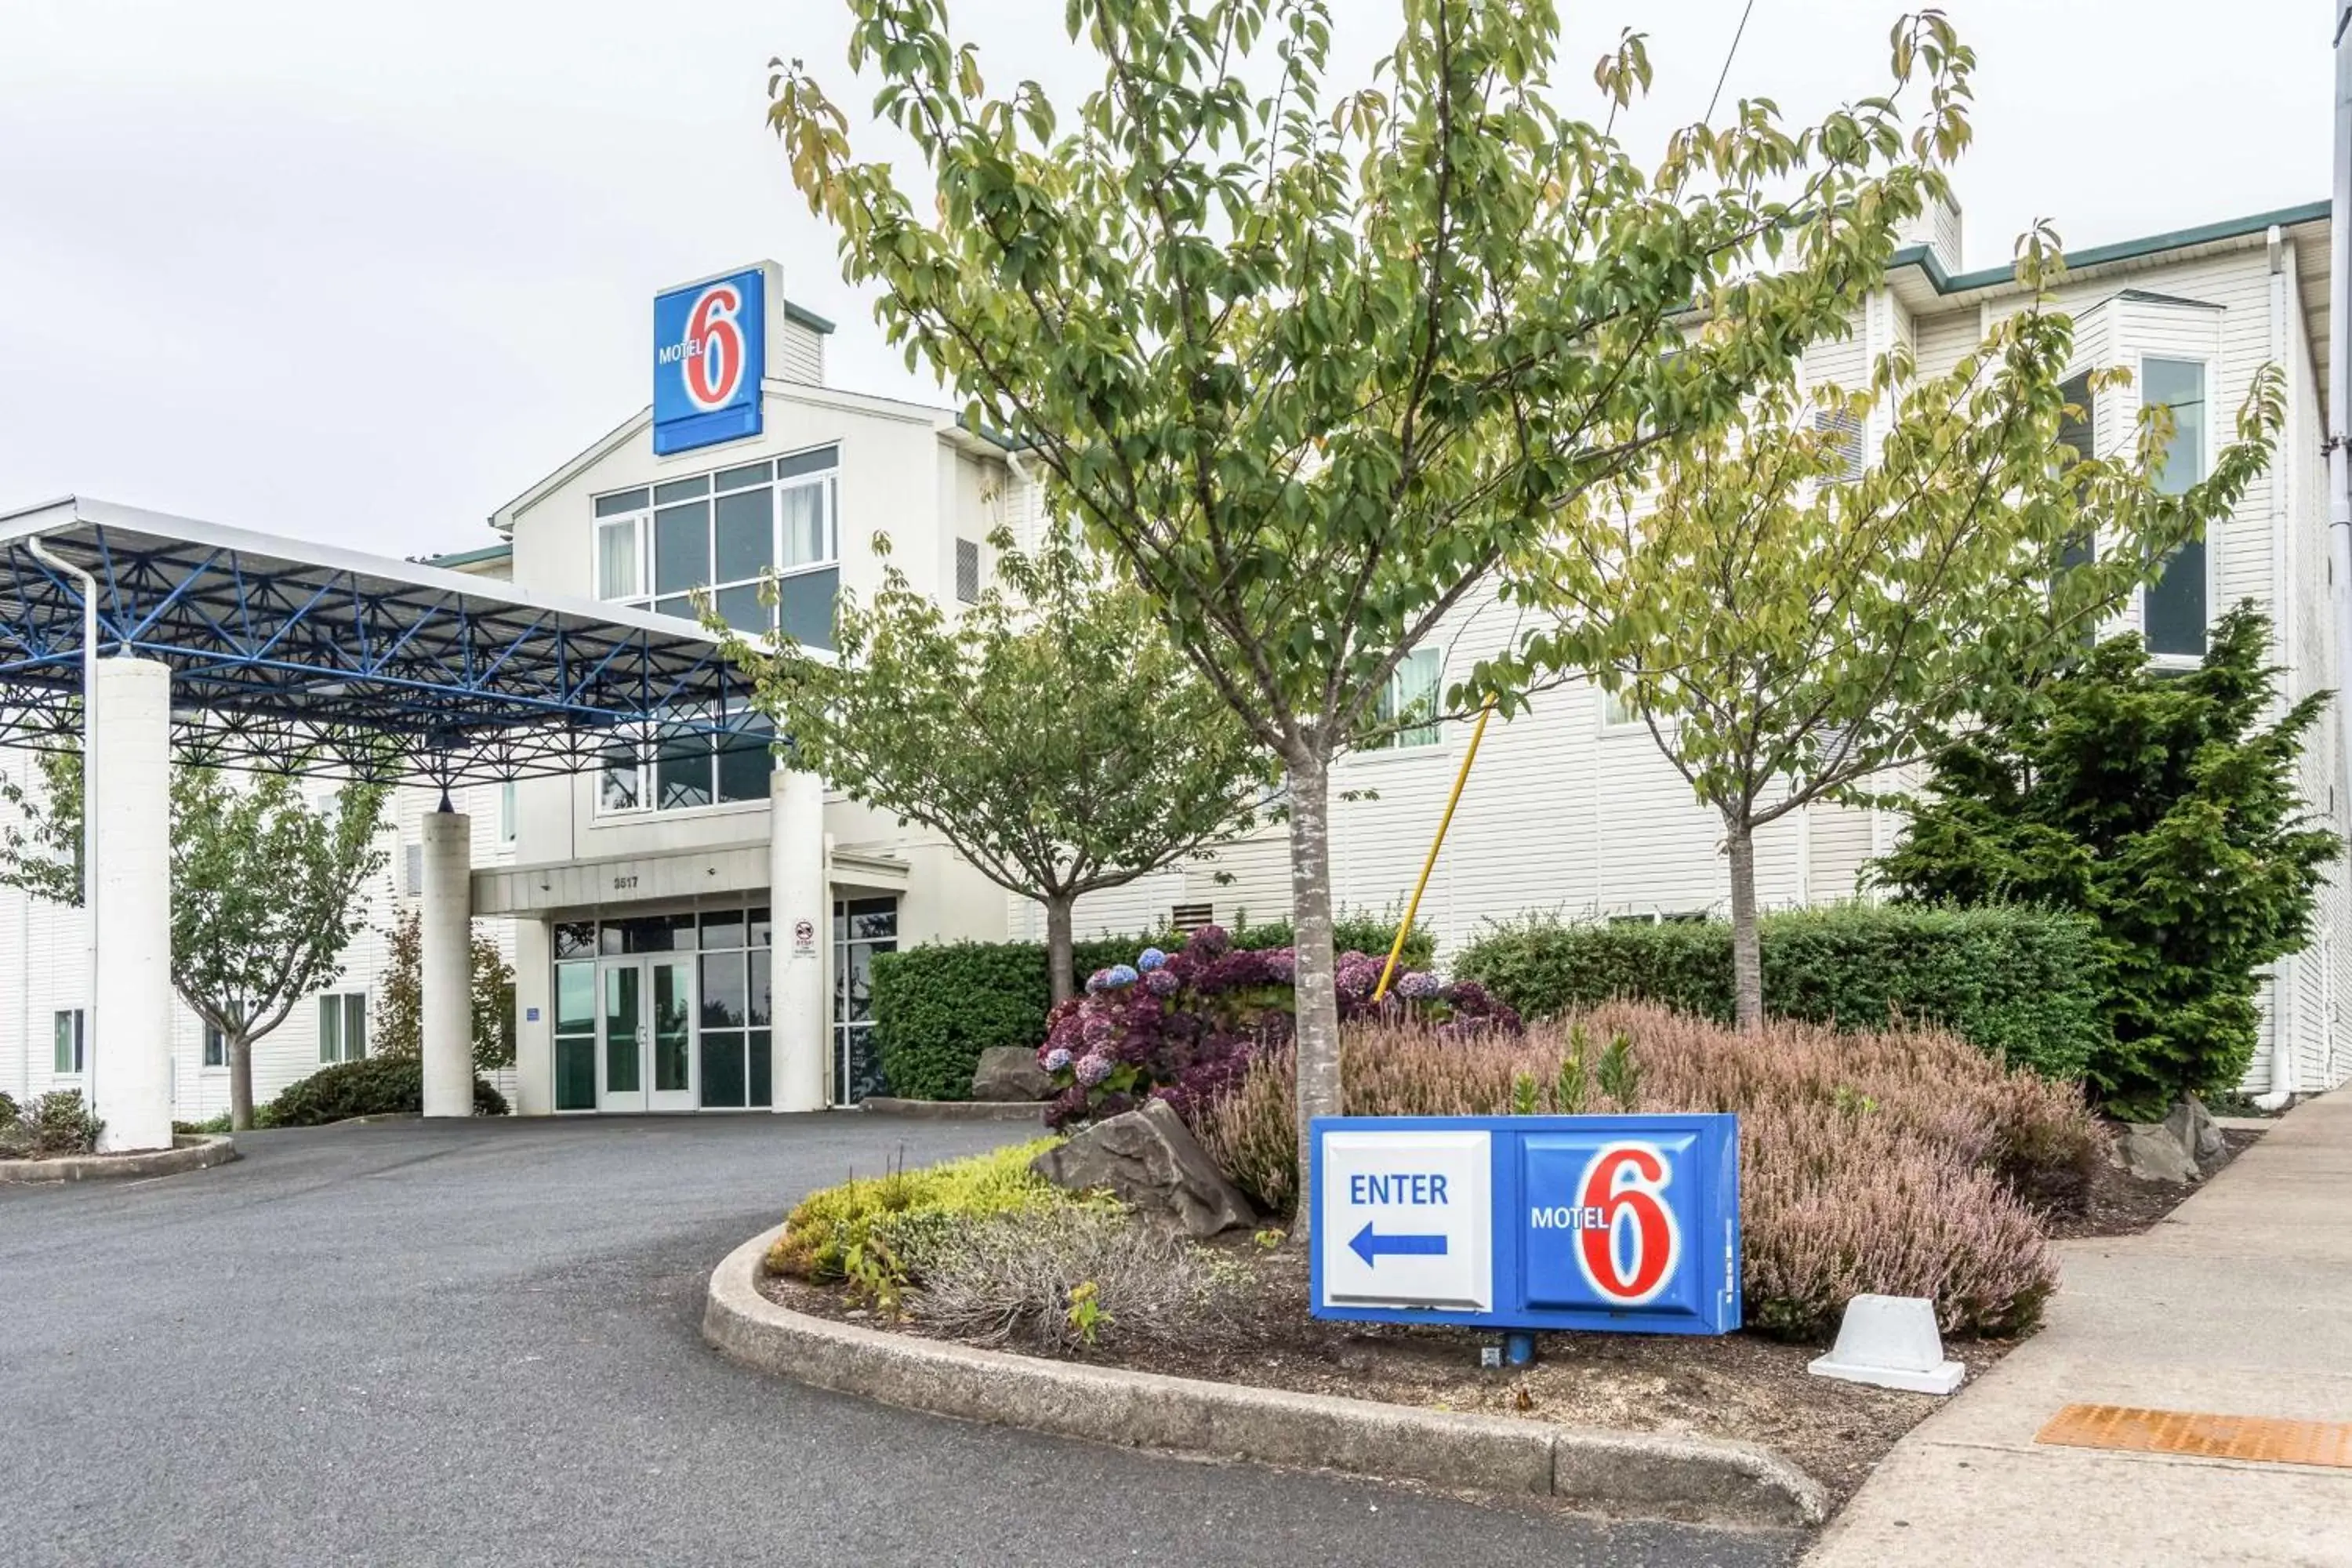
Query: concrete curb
[957, 1109]
[188, 1153]
[1633, 1472]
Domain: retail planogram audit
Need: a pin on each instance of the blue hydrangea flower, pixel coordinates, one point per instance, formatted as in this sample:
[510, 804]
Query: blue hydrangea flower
[1150, 959]
[1099, 981]
[1057, 1058]
[1118, 977]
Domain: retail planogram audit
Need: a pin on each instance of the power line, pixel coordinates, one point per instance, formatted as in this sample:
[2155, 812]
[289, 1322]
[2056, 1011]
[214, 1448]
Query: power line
[1737, 33]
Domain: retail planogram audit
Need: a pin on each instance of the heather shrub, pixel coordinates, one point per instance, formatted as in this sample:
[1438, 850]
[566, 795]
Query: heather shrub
[1904, 1161]
[1061, 1279]
[2025, 986]
[1183, 1027]
[826, 1227]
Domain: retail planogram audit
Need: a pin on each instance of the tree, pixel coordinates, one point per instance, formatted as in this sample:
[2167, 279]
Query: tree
[264, 890]
[1051, 734]
[399, 1030]
[1790, 620]
[2156, 803]
[1311, 370]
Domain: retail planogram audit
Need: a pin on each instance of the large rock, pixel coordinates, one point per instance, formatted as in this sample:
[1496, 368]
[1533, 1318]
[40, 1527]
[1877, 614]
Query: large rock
[2150, 1151]
[1149, 1159]
[2193, 1126]
[1010, 1072]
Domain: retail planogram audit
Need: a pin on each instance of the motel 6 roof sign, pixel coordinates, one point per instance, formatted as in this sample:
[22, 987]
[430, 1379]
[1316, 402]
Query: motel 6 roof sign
[1529, 1222]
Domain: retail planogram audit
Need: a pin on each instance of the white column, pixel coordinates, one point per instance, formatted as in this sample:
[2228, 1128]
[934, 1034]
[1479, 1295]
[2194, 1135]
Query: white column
[534, 1036]
[799, 914]
[130, 847]
[445, 964]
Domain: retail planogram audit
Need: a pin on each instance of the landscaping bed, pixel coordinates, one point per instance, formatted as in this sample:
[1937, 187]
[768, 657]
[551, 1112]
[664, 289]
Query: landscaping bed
[2119, 1204]
[1738, 1387]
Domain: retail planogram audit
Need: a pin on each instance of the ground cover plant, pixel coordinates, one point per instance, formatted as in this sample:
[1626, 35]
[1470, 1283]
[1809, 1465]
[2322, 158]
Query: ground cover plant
[56, 1124]
[373, 1085]
[1183, 1027]
[1903, 1161]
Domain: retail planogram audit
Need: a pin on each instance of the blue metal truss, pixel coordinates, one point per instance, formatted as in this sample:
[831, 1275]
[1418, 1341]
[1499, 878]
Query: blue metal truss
[342, 666]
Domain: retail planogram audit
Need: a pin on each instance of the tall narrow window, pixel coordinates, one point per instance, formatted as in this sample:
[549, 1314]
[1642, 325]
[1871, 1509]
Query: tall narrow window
[343, 1026]
[507, 812]
[2175, 612]
[216, 1047]
[1410, 702]
[67, 1030]
[967, 571]
[2078, 433]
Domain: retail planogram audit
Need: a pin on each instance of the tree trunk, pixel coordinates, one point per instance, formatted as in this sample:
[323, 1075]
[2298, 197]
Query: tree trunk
[1318, 996]
[1057, 947]
[240, 1084]
[1746, 949]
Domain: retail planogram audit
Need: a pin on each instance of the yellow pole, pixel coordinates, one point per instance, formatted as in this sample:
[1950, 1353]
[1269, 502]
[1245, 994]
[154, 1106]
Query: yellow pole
[1404, 927]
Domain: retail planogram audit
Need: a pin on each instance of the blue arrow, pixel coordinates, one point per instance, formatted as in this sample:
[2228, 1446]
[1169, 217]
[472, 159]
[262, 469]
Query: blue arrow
[1370, 1246]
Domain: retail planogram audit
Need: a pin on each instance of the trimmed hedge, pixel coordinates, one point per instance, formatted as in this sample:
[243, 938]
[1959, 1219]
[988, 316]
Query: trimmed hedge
[373, 1085]
[937, 1007]
[2022, 985]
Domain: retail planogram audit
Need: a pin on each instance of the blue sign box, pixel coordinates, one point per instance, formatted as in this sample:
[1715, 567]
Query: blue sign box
[1624, 1222]
[711, 349]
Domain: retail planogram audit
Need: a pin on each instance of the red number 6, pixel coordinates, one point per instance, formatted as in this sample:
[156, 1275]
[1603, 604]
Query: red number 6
[1623, 1181]
[712, 335]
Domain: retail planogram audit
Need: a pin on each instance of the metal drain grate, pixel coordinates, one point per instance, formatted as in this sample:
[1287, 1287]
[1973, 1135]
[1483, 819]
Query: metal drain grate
[2207, 1437]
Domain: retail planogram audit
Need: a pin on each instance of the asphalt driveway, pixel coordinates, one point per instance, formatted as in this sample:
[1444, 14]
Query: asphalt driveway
[477, 1344]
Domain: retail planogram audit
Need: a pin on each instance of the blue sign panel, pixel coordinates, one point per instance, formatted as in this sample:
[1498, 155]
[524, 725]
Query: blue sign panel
[1529, 1222]
[711, 348]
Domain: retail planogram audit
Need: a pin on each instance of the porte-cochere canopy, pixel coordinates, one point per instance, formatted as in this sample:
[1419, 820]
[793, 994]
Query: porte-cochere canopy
[292, 656]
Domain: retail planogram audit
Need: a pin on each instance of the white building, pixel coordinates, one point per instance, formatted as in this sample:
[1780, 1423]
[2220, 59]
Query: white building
[634, 902]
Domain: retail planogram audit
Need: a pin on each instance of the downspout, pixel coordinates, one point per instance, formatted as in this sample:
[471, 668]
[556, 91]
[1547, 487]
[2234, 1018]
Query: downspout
[2284, 1042]
[2339, 391]
[40, 552]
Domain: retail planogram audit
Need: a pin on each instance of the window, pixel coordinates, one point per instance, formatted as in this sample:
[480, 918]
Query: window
[411, 868]
[343, 1026]
[216, 1047]
[687, 770]
[507, 812]
[2078, 432]
[1412, 694]
[659, 546]
[67, 1028]
[1845, 433]
[1617, 712]
[967, 571]
[2173, 615]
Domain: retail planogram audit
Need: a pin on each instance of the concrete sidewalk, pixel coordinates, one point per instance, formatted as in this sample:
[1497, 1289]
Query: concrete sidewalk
[2239, 1304]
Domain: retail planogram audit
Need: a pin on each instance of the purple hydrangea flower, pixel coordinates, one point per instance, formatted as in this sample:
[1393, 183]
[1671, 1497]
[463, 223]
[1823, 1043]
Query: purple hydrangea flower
[1096, 1028]
[1159, 983]
[1057, 1058]
[1417, 986]
[1099, 979]
[1150, 959]
[1209, 942]
[1092, 1068]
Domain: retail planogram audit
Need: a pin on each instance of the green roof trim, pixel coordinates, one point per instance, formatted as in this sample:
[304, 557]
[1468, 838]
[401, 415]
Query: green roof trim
[1944, 282]
[467, 557]
[806, 318]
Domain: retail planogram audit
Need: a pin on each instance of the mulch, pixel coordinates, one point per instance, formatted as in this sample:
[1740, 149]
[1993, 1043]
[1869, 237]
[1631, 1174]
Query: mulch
[1742, 1386]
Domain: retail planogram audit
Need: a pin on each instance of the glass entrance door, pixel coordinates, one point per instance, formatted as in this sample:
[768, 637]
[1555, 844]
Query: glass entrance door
[646, 1035]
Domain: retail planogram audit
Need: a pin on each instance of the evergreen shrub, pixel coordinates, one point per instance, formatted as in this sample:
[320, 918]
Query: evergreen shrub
[2025, 986]
[373, 1085]
[937, 1007]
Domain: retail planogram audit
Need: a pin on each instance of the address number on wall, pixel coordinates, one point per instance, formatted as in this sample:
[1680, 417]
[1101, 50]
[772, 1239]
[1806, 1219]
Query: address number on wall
[623, 884]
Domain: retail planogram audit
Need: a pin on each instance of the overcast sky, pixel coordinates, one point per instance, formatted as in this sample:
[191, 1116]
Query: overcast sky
[363, 273]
